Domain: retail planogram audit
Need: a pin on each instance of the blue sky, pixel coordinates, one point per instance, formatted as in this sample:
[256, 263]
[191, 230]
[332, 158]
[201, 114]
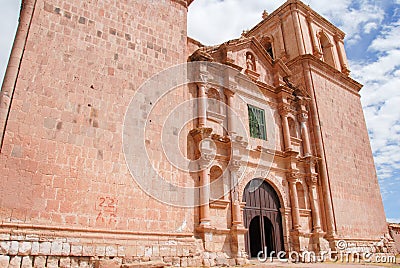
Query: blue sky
[373, 50]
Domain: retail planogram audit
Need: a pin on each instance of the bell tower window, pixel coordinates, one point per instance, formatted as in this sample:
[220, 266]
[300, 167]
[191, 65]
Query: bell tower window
[327, 49]
[268, 48]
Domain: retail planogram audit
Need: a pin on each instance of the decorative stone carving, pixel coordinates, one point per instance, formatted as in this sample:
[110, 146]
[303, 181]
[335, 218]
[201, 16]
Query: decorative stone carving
[293, 176]
[284, 110]
[224, 139]
[250, 61]
[302, 117]
[338, 38]
[234, 165]
[264, 15]
[207, 157]
[239, 140]
[312, 179]
[201, 133]
[200, 55]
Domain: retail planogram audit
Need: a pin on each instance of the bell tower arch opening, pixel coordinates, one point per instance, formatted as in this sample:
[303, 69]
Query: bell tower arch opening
[327, 49]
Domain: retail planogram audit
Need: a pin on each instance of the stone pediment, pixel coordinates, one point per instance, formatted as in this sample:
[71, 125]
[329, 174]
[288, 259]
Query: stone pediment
[249, 56]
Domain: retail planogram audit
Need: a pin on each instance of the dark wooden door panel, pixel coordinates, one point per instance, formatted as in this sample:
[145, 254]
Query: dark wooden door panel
[262, 217]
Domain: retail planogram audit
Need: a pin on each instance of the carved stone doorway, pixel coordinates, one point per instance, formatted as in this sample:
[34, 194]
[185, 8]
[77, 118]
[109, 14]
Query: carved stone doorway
[263, 219]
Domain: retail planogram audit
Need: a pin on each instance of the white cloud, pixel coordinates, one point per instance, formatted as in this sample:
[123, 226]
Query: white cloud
[391, 220]
[354, 21]
[381, 100]
[353, 17]
[216, 21]
[389, 39]
[369, 27]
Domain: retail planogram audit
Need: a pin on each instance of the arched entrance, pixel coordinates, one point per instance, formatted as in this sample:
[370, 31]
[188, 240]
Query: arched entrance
[263, 219]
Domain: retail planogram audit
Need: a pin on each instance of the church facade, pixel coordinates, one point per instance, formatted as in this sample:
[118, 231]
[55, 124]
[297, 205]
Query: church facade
[270, 125]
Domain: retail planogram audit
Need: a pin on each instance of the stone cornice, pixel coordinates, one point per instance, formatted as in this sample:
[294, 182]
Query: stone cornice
[244, 43]
[327, 71]
[67, 231]
[278, 67]
[194, 41]
[184, 3]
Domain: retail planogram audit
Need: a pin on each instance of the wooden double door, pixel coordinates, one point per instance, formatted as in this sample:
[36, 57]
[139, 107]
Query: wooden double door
[263, 219]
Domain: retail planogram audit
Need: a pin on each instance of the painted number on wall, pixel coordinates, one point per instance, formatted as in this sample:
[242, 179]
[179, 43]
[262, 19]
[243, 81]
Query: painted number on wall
[107, 208]
[107, 204]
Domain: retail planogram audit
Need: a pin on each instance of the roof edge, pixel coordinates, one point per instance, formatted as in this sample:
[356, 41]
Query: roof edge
[280, 9]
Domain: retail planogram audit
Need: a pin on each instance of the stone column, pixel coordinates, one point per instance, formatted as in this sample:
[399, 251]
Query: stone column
[316, 52]
[234, 165]
[294, 200]
[328, 206]
[204, 194]
[236, 215]
[204, 173]
[282, 53]
[202, 105]
[303, 117]
[14, 63]
[297, 29]
[312, 189]
[341, 54]
[284, 111]
[231, 115]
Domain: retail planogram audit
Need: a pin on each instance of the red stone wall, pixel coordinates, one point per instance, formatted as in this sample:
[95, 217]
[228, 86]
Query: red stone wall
[395, 233]
[357, 201]
[62, 161]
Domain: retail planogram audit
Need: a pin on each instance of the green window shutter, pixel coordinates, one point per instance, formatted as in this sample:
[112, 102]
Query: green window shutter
[257, 122]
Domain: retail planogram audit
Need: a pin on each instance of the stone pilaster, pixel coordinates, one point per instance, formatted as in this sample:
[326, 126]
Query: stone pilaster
[292, 179]
[317, 235]
[202, 105]
[236, 209]
[297, 28]
[281, 40]
[328, 206]
[341, 54]
[294, 200]
[284, 111]
[316, 51]
[205, 190]
[231, 117]
[312, 189]
[303, 118]
[14, 64]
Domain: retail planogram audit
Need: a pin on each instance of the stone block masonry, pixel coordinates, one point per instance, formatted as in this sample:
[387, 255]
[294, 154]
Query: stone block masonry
[62, 159]
[78, 249]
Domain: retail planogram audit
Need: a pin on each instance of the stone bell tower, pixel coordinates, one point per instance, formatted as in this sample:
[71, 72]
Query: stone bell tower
[313, 49]
[294, 30]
